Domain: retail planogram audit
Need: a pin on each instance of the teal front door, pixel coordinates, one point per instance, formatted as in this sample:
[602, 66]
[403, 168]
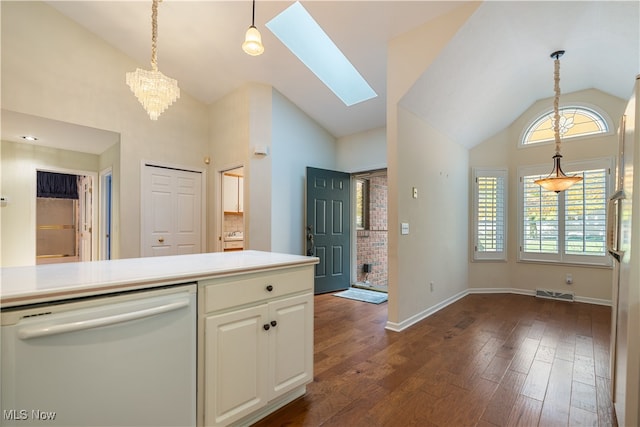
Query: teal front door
[328, 227]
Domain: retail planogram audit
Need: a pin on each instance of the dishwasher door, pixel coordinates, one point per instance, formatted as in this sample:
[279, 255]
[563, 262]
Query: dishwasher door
[125, 360]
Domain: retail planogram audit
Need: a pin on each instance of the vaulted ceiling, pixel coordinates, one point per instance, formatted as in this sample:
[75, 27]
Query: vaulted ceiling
[492, 70]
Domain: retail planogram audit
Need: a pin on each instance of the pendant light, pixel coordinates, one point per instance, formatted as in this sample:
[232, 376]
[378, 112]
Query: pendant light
[557, 180]
[154, 90]
[253, 40]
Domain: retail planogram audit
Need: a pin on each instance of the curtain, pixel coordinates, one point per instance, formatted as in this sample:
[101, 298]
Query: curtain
[57, 185]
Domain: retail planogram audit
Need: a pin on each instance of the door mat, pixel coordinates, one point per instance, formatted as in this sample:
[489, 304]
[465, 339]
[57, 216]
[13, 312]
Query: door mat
[373, 297]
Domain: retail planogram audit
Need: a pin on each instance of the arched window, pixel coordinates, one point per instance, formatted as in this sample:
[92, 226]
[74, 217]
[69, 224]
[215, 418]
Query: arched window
[575, 121]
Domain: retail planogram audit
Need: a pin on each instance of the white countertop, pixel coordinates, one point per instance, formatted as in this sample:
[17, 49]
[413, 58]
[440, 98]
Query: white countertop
[27, 285]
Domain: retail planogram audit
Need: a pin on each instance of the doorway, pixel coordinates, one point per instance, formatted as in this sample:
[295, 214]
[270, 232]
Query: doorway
[370, 222]
[106, 211]
[64, 217]
[232, 191]
[328, 225]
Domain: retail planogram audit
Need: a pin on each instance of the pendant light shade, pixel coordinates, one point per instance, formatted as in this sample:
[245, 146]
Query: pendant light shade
[253, 40]
[557, 180]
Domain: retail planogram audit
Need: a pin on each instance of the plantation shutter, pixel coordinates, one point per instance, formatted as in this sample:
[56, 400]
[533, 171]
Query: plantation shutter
[585, 214]
[540, 218]
[490, 221]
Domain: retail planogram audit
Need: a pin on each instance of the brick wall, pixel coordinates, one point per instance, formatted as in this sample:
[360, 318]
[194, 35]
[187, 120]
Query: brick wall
[372, 243]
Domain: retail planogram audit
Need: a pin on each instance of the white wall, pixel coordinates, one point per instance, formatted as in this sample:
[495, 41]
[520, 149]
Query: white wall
[590, 283]
[363, 151]
[297, 142]
[54, 68]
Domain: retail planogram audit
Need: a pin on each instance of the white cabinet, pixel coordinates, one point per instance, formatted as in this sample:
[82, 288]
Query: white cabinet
[233, 193]
[258, 351]
[236, 368]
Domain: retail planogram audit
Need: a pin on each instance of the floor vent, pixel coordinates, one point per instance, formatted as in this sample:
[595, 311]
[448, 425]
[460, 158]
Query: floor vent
[563, 296]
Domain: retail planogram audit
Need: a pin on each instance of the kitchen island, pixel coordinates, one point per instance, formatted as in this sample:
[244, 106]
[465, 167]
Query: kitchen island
[254, 323]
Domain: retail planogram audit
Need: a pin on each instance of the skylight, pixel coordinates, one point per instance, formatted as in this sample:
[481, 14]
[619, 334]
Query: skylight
[299, 32]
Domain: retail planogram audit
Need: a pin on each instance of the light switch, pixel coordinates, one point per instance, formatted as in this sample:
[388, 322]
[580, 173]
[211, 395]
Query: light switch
[405, 228]
[415, 193]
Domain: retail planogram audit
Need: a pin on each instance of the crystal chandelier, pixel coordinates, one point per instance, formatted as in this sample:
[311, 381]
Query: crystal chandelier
[557, 180]
[154, 90]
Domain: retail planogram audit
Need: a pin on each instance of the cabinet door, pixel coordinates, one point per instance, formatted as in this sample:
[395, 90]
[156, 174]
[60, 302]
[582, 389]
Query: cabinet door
[235, 364]
[291, 356]
[230, 193]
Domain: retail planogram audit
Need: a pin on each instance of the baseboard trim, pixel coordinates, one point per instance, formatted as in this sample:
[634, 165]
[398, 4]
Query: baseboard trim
[595, 301]
[577, 298]
[528, 292]
[399, 327]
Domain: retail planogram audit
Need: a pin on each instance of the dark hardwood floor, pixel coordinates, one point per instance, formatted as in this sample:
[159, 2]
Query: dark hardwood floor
[486, 360]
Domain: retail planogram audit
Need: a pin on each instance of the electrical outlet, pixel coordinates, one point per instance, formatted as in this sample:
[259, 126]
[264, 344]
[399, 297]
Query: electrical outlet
[568, 279]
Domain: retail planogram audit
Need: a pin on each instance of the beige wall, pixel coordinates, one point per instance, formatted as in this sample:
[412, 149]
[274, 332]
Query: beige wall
[228, 149]
[409, 160]
[590, 283]
[20, 161]
[257, 115]
[363, 151]
[56, 69]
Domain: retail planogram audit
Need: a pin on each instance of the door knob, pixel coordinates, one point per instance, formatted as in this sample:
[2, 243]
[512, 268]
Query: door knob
[161, 240]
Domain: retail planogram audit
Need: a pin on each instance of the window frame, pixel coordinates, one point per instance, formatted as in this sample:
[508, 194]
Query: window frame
[561, 257]
[501, 173]
[365, 204]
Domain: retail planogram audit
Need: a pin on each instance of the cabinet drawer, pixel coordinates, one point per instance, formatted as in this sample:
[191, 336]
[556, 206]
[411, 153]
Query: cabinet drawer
[226, 293]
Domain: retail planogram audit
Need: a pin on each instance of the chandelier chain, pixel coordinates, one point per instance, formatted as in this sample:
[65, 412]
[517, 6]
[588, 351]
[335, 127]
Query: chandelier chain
[556, 104]
[154, 35]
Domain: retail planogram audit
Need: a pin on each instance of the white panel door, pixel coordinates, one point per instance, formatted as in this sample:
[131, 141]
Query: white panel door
[171, 211]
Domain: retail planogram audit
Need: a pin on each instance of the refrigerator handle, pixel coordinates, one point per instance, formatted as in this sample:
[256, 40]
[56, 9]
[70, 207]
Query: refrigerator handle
[613, 224]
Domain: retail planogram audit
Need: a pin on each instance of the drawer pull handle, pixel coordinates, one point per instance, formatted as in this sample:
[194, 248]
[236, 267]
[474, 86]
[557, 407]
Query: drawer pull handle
[266, 326]
[269, 288]
[274, 323]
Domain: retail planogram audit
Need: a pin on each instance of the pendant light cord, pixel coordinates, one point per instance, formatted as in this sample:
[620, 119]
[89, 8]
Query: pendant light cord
[253, 15]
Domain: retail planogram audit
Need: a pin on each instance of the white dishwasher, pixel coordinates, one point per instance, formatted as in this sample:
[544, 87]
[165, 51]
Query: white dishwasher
[124, 359]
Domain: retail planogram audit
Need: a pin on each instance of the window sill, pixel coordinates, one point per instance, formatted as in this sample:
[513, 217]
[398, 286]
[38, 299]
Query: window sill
[563, 263]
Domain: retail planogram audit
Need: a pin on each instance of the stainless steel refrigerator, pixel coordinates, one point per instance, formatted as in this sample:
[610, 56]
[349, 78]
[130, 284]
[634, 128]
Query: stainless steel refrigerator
[623, 238]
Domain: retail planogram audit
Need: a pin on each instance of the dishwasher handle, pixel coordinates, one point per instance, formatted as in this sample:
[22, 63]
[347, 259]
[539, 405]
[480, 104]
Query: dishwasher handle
[28, 332]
